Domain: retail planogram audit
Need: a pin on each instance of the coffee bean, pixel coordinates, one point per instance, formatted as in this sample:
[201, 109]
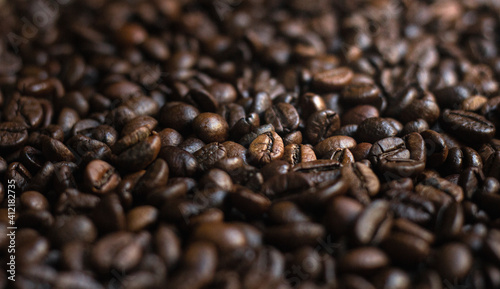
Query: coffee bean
[373, 224]
[406, 204]
[363, 260]
[266, 148]
[295, 154]
[321, 125]
[453, 260]
[331, 80]
[283, 116]
[225, 237]
[333, 143]
[468, 126]
[101, 177]
[210, 127]
[294, 235]
[359, 113]
[178, 117]
[139, 155]
[12, 135]
[141, 218]
[208, 155]
[119, 251]
[374, 129]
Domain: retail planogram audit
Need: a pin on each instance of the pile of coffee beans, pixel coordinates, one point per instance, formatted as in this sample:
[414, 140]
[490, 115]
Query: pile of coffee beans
[250, 144]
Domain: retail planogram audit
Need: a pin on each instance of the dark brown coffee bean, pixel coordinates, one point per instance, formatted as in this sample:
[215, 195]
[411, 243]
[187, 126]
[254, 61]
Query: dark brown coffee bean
[155, 176]
[363, 181]
[25, 110]
[33, 200]
[266, 148]
[440, 191]
[211, 127]
[374, 129]
[453, 261]
[101, 177]
[437, 150]
[131, 34]
[331, 144]
[363, 260]
[119, 251]
[286, 212]
[331, 80]
[139, 155]
[68, 229]
[283, 116]
[142, 217]
[224, 236]
[358, 114]
[321, 125]
[406, 204]
[13, 135]
[109, 215]
[294, 235]
[192, 265]
[178, 117]
[373, 224]
[295, 154]
[208, 155]
[468, 126]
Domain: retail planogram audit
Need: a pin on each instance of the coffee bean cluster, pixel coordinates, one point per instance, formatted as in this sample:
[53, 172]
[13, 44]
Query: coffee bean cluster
[251, 144]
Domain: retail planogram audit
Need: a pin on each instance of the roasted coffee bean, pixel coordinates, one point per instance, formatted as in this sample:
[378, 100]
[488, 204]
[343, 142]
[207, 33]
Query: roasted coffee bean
[294, 235]
[119, 251]
[283, 116]
[450, 221]
[249, 203]
[341, 214]
[101, 177]
[311, 103]
[286, 212]
[440, 191]
[468, 126]
[363, 181]
[363, 260]
[453, 260]
[192, 265]
[155, 176]
[139, 155]
[358, 114]
[178, 117]
[321, 125]
[406, 249]
[295, 154]
[142, 217]
[319, 171]
[287, 183]
[327, 146]
[331, 80]
[436, 148]
[374, 129]
[68, 229]
[406, 204]
[24, 110]
[373, 224]
[266, 148]
[208, 155]
[109, 215]
[361, 93]
[418, 125]
[211, 127]
[13, 135]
